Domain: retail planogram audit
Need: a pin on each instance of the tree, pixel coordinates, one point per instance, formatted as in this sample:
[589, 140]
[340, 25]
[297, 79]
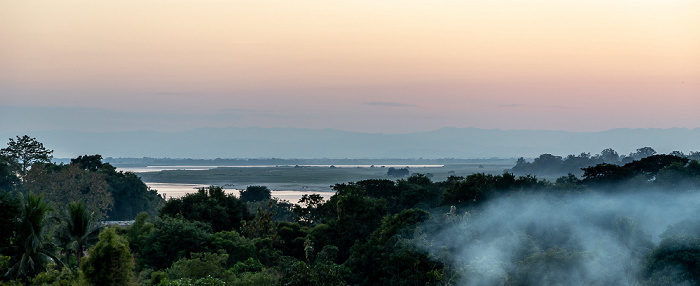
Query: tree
[237, 247]
[210, 205]
[300, 274]
[131, 195]
[397, 172]
[172, 239]
[8, 178]
[675, 261]
[62, 184]
[9, 213]
[200, 265]
[79, 229]
[255, 193]
[358, 216]
[609, 156]
[88, 162]
[33, 248]
[25, 152]
[642, 153]
[390, 256]
[308, 210]
[110, 261]
[472, 190]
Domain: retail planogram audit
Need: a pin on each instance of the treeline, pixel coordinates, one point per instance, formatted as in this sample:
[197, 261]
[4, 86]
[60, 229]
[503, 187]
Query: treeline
[148, 161]
[369, 232]
[551, 165]
[25, 167]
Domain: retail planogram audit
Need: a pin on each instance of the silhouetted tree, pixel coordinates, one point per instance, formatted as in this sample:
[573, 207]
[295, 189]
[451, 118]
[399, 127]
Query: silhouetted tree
[255, 193]
[26, 151]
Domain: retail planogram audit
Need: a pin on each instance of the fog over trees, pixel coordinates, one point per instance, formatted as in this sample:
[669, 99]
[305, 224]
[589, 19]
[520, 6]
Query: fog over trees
[614, 220]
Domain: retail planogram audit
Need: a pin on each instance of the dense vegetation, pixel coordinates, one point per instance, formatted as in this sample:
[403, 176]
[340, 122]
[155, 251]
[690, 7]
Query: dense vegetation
[552, 165]
[410, 231]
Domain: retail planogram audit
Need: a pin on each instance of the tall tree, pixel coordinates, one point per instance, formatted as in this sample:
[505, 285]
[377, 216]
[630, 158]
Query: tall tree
[79, 229]
[26, 151]
[33, 247]
[110, 262]
[62, 184]
[131, 195]
[8, 178]
[9, 212]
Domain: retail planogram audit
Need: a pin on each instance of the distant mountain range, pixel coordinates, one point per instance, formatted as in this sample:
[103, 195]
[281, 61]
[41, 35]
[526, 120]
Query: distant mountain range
[328, 143]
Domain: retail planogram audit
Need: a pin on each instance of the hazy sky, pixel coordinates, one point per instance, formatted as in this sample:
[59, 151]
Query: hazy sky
[373, 66]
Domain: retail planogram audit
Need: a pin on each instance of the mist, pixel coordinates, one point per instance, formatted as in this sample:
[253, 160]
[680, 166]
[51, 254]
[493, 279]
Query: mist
[594, 238]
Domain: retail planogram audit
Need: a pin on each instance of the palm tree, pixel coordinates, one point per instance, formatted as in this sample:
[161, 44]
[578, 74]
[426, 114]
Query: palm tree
[34, 250]
[79, 229]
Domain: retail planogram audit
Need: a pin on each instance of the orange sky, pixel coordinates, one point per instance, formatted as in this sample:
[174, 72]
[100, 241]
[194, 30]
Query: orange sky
[375, 66]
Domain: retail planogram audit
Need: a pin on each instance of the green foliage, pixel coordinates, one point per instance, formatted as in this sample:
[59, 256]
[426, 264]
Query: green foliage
[302, 274]
[56, 277]
[328, 254]
[262, 225]
[358, 216]
[206, 281]
[391, 256]
[91, 163]
[130, 194]
[172, 239]
[63, 184]
[292, 236]
[9, 213]
[33, 250]
[110, 261]
[8, 178]
[25, 151]
[266, 252]
[249, 265]
[646, 168]
[479, 187]
[255, 193]
[210, 205]
[4, 264]
[238, 248]
[675, 261]
[139, 230]
[415, 191]
[263, 277]
[200, 265]
[473, 189]
[79, 228]
[282, 209]
[309, 211]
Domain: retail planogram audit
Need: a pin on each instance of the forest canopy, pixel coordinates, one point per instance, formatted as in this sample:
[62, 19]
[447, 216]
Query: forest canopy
[618, 220]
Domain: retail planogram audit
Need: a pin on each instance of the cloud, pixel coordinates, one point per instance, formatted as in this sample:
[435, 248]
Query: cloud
[511, 105]
[388, 104]
[564, 107]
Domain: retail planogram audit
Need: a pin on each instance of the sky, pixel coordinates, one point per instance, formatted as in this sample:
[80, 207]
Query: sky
[369, 66]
